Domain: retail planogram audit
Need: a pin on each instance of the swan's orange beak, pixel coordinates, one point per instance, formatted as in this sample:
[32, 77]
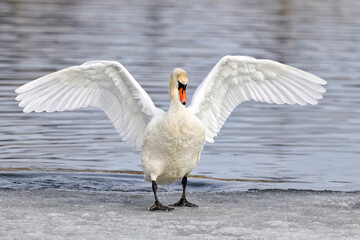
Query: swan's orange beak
[182, 93]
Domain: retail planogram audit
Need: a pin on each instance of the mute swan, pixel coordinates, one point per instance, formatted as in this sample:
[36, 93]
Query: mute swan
[171, 142]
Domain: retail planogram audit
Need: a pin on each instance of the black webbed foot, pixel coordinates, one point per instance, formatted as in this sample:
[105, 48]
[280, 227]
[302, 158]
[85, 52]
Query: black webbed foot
[183, 203]
[159, 206]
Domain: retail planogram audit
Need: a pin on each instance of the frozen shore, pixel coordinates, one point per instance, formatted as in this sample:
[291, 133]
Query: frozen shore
[56, 214]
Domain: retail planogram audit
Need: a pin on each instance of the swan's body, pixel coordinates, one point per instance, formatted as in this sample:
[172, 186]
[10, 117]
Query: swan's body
[172, 145]
[171, 142]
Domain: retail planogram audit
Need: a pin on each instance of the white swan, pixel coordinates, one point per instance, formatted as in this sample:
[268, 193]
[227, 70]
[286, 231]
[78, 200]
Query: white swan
[171, 142]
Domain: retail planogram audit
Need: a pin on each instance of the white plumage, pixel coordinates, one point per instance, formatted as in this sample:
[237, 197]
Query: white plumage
[103, 84]
[236, 79]
[171, 142]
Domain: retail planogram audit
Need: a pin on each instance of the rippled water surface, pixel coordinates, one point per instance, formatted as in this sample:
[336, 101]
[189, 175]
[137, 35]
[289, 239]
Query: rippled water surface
[311, 147]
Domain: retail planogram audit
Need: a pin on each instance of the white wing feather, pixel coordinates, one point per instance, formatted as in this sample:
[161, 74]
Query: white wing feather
[236, 79]
[103, 84]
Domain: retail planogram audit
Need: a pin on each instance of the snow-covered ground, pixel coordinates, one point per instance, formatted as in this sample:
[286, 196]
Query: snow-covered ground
[57, 214]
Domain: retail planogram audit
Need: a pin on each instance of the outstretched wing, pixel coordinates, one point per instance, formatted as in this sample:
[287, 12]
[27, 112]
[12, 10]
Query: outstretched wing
[236, 79]
[103, 84]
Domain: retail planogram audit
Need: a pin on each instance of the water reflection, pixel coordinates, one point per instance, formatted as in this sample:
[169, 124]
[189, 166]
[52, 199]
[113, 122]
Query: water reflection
[318, 146]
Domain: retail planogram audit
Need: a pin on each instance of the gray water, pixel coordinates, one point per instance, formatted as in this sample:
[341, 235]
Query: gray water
[283, 146]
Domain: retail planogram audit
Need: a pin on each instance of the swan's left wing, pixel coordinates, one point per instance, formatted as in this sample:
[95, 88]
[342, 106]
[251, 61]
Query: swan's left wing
[236, 79]
[103, 84]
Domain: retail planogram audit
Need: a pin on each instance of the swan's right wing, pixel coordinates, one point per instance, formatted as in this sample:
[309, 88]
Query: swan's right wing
[103, 84]
[236, 79]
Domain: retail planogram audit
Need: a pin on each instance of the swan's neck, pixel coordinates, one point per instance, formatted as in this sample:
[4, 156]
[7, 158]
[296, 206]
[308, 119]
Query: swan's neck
[173, 93]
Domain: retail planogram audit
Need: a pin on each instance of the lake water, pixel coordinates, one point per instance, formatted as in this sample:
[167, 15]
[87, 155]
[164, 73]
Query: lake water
[260, 146]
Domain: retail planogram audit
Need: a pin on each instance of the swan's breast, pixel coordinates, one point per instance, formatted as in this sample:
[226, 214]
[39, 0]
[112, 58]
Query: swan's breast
[172, 146]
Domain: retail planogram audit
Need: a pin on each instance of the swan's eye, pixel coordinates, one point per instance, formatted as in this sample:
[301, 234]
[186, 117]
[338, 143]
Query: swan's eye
[183, 86]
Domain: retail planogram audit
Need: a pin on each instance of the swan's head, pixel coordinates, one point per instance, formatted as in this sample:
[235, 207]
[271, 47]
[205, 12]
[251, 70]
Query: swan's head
[179, 79]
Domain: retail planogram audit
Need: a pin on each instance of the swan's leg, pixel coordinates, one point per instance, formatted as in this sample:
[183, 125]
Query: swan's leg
[183, 202]
[157, 205]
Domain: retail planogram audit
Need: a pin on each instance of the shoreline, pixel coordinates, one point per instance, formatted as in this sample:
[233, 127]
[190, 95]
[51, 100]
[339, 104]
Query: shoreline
[133, 181]
[132, 172]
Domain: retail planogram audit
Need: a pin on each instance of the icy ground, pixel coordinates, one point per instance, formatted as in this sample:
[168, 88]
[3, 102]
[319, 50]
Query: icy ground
[57, 214]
